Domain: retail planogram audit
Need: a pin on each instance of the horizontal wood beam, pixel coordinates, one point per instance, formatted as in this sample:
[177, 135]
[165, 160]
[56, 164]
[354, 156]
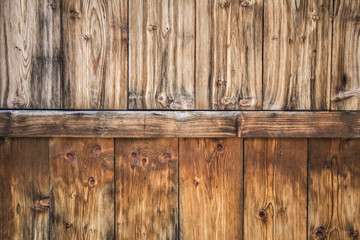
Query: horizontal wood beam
[156, 124]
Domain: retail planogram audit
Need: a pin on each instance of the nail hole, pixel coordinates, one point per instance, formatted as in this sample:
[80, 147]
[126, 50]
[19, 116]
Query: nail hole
[144, 161]
[262, 215]
[134, 154]
[220, 147]
[167, 156]
[70, 156]
[91, 182]
[319, 233]
[97, 149]
[196, 182]
[68, 225]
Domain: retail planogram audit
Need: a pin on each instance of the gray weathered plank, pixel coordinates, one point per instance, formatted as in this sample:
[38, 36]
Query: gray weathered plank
[297, 54]
[161, 54]
[30, 62]
[229, 54]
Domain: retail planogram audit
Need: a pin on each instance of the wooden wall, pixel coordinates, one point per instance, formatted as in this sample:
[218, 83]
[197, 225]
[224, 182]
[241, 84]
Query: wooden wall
[231, 188]
[180, 54]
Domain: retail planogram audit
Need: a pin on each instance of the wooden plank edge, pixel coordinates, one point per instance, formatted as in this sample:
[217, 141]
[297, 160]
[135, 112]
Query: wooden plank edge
[160, 124]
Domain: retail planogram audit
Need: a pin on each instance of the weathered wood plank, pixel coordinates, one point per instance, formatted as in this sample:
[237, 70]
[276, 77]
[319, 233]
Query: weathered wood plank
[229, 54]
[24, 187]
[94, 42]
[30, 63]
[161, 54]
[129, 124]
[146, 189]
[275, 177]
[297, 54]
[82, 188]
[334, 189]
[211, 188]
[345, 94]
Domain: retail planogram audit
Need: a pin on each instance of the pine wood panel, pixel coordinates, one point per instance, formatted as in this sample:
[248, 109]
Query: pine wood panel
[161, 54]
[229, 54]
[82, 188]
[346, 56]
[275, 177]
[211, 188]
[297, 54]
[334, 189]
[94, 41]
[24, 187]
[146, 173]
[30, 63]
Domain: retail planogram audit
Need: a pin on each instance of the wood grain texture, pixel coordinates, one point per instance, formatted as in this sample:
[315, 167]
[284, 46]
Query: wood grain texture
[146, 189]
[345, 88]
[275, 177]
[229, 54]
[82, 188]
[211, 188]
[334, 189]
[24, 186]
[297, 54]
[129, 124]
[94, 45]
[30, 63]
[161, 54]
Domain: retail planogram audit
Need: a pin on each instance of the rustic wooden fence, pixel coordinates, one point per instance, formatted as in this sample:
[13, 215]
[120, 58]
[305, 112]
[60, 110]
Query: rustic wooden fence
[87, 153]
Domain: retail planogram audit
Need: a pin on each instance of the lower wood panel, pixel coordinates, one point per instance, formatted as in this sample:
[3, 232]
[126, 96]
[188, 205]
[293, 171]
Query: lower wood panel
[146, 189]
[334, 189]
[82, 188]
[275, 177]
[211, 194]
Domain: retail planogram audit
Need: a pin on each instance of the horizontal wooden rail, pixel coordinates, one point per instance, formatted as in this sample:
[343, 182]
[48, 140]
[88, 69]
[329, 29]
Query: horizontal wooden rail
[156, 124]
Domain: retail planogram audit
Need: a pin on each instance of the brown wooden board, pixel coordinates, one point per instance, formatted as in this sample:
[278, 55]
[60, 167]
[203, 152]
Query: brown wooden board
[275, 188]
[229, 54]
[82, 188]
[211, 188]
[24, 188]
[345, 86]
[161, 54]
[297, 54]
[146, 173]
[130, 124]
[30, 62]
[334, 189]
[94, 47]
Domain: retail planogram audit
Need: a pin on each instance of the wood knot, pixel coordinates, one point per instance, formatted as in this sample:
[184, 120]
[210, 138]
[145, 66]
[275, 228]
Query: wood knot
[53, 5]
[70, 156]
[354, 234]
[319, 233]
[91, 182]
[196, 182]
[219, 147]
[18, 208]
[87, 37]
[134, 154]
[315, 17]
[224, 5]
[152, 27]
[68, 225]
[144, 161]
[262, 215]
[291, 41]
[245, 3]
[167, 156]
[97, 149]
[74, 14]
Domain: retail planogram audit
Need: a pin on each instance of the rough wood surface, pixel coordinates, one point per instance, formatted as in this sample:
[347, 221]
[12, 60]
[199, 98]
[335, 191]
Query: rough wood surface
[334, 189]
[275, 188]
[30, 63]
[297, 54]
[82, 188]
[94, 45]
[229, 54]
[161, 54]
[146, 189]
[345, 93]
[24, 187]
[129, 124]
[211, 188]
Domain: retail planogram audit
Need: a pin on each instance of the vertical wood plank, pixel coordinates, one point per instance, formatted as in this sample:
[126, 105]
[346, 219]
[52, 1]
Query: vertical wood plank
[30, 62]
[334, 189]
[229, 54]
[94, 41]
[297, 54]
[161, 54]
[146, 188]
[211, 188]
[275, 179]
[345, 94]
[82, 187]
[24, 186]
